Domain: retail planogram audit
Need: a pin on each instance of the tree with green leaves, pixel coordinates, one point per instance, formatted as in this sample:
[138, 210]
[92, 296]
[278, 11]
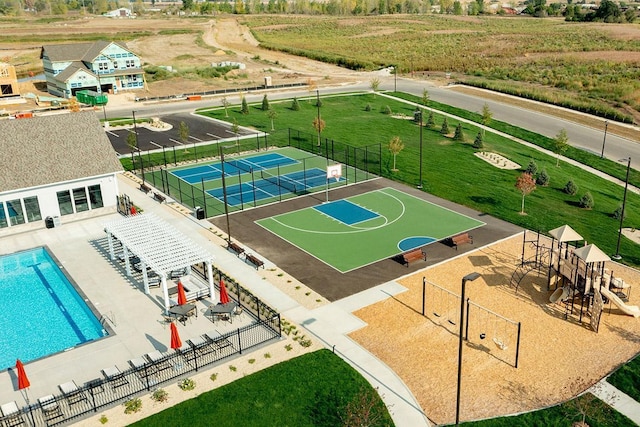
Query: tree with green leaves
[431, 120]
[459, 135]
[244, 109]
[295, 105]
[225, 104]
[444, 130]
[487, 115]
[560, 144]
[525, 184]
[374, 84]
[425, 97]
[132, 141]
[478, 143]
[319, 125]
[265, 103]
[395, 147]
[272, 116]
[235, 128]
[183, 132]
[532, 168]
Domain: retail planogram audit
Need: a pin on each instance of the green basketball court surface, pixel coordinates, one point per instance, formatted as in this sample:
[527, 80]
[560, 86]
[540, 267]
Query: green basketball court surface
[360, 230]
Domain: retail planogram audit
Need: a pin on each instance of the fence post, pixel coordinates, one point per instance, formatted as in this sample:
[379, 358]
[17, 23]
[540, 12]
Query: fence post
[195, 358]
[518, 345]
[424, 287]
[239, 341]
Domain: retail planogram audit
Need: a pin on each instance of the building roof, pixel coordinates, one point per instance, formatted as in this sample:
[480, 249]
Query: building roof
[57, 148]
[68, 72]
[77, 51]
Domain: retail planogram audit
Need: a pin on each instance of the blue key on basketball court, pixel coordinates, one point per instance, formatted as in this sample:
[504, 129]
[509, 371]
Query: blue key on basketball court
[346, 212]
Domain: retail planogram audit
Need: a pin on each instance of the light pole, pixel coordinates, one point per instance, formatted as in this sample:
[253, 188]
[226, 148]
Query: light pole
[418, 115]
[604, 140]
[617, 256]
[468, 278]
[395, 78]
[135, 132]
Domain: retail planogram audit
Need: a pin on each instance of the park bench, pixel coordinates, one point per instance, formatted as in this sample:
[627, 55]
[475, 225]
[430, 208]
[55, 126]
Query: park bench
[159, 197]
[461, 239]
[235, 248]
[413, 255]
[144, 187]
[257, 262]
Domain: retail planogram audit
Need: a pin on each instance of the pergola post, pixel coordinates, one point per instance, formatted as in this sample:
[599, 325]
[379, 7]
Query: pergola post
[165, 292]
[145, 278]
[127, 263]
[210, 276]
[111, 252]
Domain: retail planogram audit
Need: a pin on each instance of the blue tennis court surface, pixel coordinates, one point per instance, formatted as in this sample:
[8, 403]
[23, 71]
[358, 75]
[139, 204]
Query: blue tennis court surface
[346, 212]
[263, 185]
[209, 172]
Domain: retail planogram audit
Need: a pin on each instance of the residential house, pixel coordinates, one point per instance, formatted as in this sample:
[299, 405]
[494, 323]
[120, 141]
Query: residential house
[60, 166]
[102, 66]
[8, 81]
[122, 12]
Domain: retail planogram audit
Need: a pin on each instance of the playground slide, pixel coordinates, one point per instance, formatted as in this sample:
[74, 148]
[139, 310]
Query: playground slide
[559, 295]
[631, 310]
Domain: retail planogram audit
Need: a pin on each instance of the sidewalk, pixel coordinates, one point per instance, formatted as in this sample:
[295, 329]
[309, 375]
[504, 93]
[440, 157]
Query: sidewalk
[329, 324]
[618, 400]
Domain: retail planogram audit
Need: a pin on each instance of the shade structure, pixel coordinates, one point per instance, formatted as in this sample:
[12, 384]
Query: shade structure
[224, 296]
[591, 253]
[565, 234]
[175, 337]
[182, 297]
[23, 381]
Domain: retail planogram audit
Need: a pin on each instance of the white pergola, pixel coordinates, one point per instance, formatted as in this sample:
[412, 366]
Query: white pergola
[159, 246]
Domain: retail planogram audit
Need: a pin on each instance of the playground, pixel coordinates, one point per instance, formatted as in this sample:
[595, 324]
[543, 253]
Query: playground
[559, 354]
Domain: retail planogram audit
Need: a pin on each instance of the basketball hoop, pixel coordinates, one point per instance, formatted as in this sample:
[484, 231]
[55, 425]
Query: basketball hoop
[334, 171]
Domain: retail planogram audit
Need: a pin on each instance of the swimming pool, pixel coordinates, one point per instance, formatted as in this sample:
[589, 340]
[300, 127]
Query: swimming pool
[42, 313]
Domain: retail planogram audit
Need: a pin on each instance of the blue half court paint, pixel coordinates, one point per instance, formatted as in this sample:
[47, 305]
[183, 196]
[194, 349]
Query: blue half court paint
[346, 212]
[414, 242]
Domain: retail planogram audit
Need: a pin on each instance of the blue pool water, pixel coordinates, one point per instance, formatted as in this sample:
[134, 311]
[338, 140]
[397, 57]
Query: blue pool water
[42, 313]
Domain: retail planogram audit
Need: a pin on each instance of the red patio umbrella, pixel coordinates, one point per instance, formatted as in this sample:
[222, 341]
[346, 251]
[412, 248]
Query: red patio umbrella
[175, 338]
[224, 296]
[182, 297]
[23, 381]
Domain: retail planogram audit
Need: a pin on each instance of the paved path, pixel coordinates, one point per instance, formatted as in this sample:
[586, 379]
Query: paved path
[620, 401]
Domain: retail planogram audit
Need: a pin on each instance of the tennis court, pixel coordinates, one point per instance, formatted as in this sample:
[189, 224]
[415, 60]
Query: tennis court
[360, 230]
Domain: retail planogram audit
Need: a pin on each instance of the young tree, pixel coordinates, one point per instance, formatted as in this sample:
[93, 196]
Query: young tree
[312, 86]
[272, 116]
[183, 132]
[459, 135]
[395, 147]
[532, 168]
[525, 184]
[445, 127]
[318, 125]
[295, 106]
[586, 201]
[132, 143]
[374, 84]
[425, 97]
[244, 109]
[543, 178]
[225, 104]
[479, 141]
[431, 120]
[487, 115]
[265, 103]
[587, 404]
[560, 144]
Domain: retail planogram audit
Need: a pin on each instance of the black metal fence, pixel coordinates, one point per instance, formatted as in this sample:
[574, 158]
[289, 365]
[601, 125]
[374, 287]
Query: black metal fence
[220, 91]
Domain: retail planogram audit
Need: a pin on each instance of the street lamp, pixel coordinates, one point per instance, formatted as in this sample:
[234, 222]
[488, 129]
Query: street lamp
[418, 115]
[617, 256]
[604, 140]
[468, 278]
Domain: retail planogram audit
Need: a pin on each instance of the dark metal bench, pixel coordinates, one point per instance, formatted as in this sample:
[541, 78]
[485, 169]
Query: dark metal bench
[144, 187]
[413, 255]
[257, 262]
[159, 197]
[235, 248]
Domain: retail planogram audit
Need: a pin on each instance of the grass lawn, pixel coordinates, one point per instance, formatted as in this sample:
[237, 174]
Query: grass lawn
[627, 378]
[451, 171]
[310, 390]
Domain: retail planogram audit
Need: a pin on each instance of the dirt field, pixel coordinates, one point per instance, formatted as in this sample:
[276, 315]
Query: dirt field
[558, 358]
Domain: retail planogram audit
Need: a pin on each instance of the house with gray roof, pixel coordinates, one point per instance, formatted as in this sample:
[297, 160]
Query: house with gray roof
[59, 166]
[101, 66]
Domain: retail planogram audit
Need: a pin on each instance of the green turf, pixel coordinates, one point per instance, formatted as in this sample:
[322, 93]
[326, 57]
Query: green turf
[401, 216]
[311, 390]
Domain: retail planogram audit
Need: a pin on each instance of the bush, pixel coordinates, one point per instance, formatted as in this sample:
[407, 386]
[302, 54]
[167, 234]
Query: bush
[571, 188]
[543, 178]
[103, 419]
[160, 395]
[245, 107]
[367, 107]
[618, 213]
[187, 384]
[532, 168]
[132, 405]
[444, 130]
[459, 135]
[213, 376]
[295, 106]
[478, 142]
[431, 121]
[387, 110]
[265, 103]
[586, 201]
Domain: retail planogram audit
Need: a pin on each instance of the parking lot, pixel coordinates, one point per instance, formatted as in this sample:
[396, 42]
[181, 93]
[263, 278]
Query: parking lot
[201, 130]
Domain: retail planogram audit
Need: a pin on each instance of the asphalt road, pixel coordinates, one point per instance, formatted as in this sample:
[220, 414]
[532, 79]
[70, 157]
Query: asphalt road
[587, 138]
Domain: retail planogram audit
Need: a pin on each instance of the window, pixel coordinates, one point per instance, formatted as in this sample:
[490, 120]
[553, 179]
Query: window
[64, 202]
[3, 217]
[16, 216]
[32, 208]
[95, 196]
[80, 199]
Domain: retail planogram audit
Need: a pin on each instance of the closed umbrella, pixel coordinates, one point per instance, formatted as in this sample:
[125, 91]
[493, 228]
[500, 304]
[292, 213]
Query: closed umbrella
[224, 296]
[182, 297]
[23, 381]
[175, 338]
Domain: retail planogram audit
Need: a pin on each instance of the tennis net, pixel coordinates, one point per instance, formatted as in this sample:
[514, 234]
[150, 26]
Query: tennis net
[282, 181]
[242, 165]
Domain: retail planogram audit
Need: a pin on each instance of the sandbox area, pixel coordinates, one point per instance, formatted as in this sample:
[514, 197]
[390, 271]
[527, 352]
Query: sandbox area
[554, 352]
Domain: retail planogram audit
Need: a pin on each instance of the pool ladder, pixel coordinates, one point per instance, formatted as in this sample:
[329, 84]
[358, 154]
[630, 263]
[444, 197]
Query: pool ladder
[110, 317]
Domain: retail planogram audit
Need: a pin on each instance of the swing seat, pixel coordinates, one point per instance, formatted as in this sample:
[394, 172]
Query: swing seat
[501, 345]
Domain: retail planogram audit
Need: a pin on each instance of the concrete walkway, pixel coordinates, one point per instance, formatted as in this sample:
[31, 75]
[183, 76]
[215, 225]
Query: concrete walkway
[618, 400]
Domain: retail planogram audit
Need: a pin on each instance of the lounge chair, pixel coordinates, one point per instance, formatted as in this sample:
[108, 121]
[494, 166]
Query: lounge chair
[11, 414]
[145, 370]
[203, 346]
[50, 408]
[72, 393]
[159, 360]
[115, 377]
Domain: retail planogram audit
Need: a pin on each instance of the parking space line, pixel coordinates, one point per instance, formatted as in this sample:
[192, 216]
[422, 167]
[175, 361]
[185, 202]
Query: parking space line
[213, 136]
[157, 145]
[177, 142]
[114, 134]
[197, 139]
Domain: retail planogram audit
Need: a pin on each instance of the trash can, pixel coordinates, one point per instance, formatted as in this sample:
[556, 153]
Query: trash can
[199, 212]
[48, 222]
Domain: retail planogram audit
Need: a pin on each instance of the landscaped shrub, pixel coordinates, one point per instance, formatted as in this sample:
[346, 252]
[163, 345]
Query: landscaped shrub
[295, 105]
[444, 130]
[367, 107]
[245, 107]
[387, 110]
[571, 188]
[132, 405]
[459, 135]
[187, 384]
[479, 141]
[618, 213]
[160, 395]
[265, 103]
[431, 121]
[543, 178]
[586, 201]
[532, 168]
